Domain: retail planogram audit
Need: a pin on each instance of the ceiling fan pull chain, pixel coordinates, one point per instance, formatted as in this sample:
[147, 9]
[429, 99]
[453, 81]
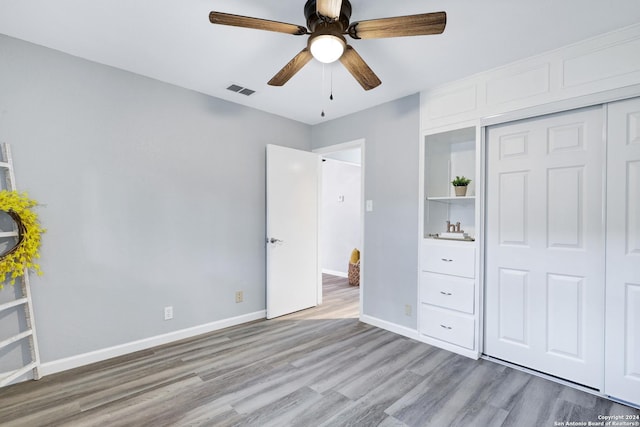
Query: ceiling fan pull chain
[323, 92]
[331, 94]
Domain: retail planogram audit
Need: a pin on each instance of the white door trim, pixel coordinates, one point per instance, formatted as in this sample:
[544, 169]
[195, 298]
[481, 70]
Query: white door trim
[357, 143]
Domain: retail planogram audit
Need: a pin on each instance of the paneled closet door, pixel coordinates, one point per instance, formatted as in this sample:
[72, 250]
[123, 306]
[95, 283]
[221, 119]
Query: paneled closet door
[545, 245]
[622, 356]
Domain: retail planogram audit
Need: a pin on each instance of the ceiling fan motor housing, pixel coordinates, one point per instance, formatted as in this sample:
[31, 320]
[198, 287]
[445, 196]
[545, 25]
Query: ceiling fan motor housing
[315, 20]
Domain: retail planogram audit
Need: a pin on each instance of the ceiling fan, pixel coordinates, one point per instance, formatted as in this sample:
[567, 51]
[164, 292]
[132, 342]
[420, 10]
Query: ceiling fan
[328, 23]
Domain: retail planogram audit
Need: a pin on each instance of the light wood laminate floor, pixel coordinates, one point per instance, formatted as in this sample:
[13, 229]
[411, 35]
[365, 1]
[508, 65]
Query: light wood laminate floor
[318, 367]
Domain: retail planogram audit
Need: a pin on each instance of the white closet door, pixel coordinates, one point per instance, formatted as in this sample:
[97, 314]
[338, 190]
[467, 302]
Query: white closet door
[545, 245]
[622, 357]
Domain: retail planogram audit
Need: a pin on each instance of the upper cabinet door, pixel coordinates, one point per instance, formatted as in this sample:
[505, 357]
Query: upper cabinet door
[622, 358]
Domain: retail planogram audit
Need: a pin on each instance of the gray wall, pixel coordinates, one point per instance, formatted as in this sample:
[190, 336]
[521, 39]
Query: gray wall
[340, 228]
[152, 196]
[391, 133]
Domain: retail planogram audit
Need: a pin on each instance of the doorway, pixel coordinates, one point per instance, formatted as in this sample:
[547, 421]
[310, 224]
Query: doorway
[341, 210]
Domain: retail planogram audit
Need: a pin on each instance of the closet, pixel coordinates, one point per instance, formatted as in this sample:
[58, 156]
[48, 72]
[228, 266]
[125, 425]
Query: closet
[545, 238]
[562, 253]
[622, 330]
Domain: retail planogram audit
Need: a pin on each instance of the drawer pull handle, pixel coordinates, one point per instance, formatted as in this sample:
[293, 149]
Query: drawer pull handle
[446, 327]
[446, 293]
[446, 260]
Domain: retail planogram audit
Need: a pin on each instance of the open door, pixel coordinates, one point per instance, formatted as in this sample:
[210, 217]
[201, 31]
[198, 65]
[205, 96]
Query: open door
[292, 230]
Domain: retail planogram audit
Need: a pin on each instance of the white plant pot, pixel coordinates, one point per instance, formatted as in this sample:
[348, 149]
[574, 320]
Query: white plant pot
[461, 190]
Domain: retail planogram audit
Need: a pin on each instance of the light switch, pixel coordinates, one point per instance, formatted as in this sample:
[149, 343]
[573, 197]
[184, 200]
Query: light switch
[340, 198]
[369, 206]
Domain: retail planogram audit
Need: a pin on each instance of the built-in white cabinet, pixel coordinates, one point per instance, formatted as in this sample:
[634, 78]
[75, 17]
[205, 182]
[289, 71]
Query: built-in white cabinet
[553, 279]
[448, 315]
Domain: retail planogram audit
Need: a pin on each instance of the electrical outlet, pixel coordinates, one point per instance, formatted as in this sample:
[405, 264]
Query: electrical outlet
[407, 310]
[168, 312]
[239, 296]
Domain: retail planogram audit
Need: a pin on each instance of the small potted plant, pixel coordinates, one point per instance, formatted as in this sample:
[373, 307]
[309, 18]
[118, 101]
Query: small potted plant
[460, 185]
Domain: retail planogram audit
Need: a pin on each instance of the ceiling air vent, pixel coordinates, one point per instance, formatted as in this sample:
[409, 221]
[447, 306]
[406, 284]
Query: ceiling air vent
[240, 89]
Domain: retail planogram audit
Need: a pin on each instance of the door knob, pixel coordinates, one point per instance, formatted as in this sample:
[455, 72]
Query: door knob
[274, 240]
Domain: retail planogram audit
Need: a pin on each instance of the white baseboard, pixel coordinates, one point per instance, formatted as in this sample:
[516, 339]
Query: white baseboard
[335, 273]
[67, 363]
[391, 327]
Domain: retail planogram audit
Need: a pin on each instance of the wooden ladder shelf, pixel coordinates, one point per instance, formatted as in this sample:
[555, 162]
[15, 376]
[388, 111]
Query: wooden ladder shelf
[29, 334]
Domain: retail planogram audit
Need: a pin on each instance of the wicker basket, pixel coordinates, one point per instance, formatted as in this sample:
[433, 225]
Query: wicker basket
[354, 273]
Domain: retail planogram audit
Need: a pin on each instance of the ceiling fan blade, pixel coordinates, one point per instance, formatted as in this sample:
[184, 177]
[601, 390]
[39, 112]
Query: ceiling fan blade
[256, 23]
[359, 69]
[400, 26]
[289, 70]
[329, 8]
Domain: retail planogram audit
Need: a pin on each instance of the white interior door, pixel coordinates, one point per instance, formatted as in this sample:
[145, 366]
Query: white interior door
[622, 356]
[545, 245]
[292, 230]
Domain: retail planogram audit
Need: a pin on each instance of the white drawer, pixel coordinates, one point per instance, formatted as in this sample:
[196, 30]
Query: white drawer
[445, 325]
[458, 260]
[446, 291]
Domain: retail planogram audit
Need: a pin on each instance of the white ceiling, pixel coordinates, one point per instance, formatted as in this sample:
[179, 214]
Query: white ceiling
[174, 42]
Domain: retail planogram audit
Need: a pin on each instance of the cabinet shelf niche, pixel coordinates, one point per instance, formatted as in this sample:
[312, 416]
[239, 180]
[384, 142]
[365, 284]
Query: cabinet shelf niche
[447, 155]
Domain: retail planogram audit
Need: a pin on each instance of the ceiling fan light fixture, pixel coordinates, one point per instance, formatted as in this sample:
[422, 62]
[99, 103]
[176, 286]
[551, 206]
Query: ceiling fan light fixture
[327, 48]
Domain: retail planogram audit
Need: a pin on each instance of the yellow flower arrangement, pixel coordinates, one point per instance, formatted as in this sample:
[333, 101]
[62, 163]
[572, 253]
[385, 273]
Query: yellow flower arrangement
[14, 261]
